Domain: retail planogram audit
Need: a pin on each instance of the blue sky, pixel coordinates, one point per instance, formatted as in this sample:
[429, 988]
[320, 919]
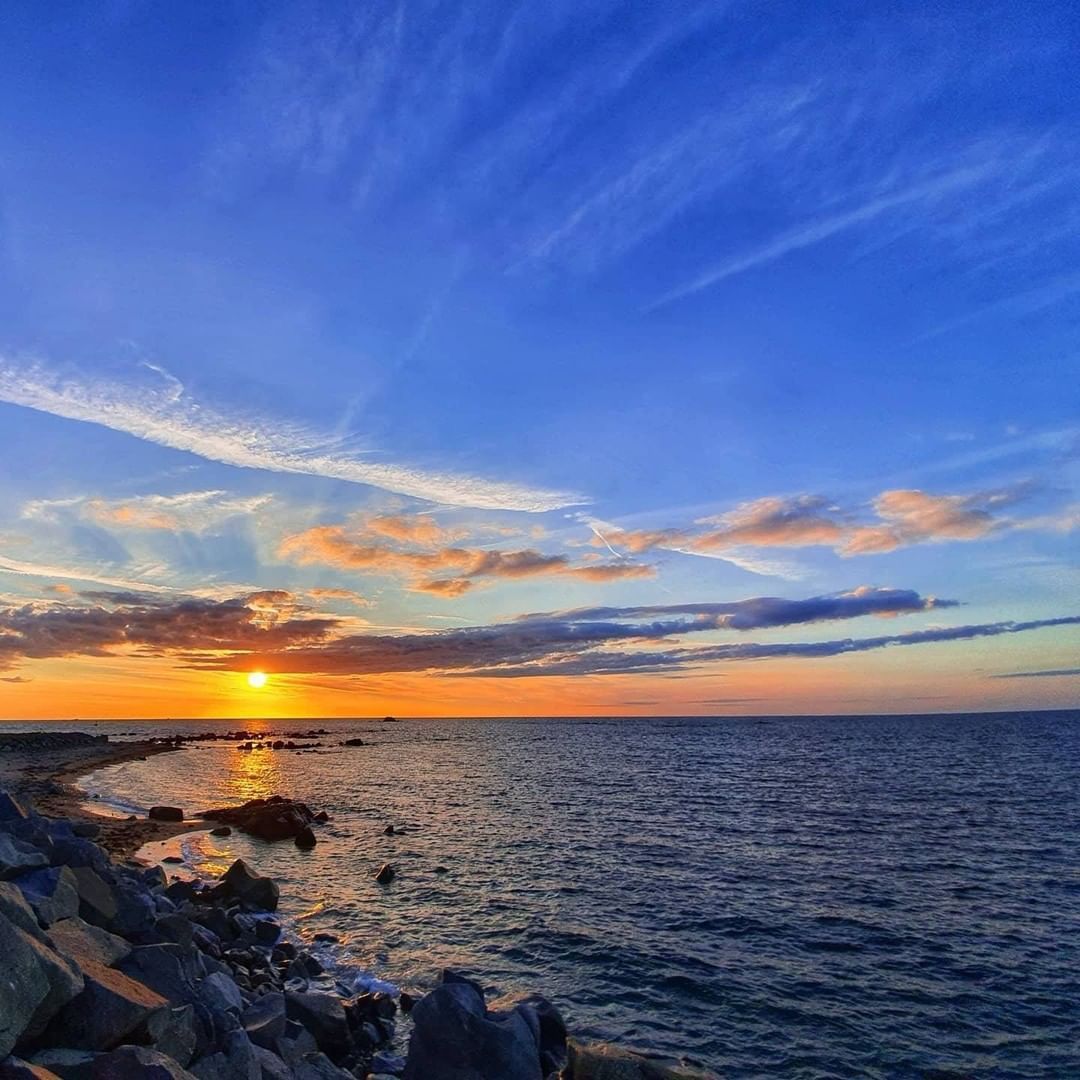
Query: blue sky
[475, 311]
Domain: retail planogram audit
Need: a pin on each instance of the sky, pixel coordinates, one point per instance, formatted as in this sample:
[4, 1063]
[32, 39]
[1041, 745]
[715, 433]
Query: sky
[538, 359]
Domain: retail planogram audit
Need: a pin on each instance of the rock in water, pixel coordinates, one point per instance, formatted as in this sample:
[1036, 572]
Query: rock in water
[386, 874]
[221, 830]
[454, 1036]
[244, 883]
[165, 813]
[601, 1061]
[305, 838]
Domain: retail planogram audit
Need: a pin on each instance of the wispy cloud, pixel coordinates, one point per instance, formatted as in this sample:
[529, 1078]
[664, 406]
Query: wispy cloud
[193, 511]
[175, 420]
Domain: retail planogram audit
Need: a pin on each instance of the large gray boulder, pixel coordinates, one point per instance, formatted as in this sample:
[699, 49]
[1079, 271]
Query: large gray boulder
[238, 1060]
[264, 1019]
[111, 1007]
[18, 857]
[76, 938]
[51, 892]
[13, 906]
[455, 1038]
[221, 993]
[35, 983]
[324, 1016]
[97, 900]
[173, 1033]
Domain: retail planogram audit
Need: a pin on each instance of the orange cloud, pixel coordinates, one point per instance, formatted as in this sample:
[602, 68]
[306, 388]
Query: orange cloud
[912, 517]
[443, 571]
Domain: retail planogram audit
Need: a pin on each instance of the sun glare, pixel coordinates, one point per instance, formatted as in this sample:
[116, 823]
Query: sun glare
[257, 680]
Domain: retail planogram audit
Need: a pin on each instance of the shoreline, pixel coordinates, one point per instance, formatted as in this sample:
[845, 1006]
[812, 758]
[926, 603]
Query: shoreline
[45, 770]
[97, 991]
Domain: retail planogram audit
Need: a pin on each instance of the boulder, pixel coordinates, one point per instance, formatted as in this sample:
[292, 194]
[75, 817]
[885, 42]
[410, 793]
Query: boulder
[74, 851]
[165, 813]
[76, 938]
[236, 1061]
[173, 1032]
[97, 901]
[305, 838]
[174, 927]
[52, 893]
[18, 857]
[221, 830]
[137, 1063]
[111, 1007]
[264, 1019]
[241, 881]
[549, 1024]
[273, 1068]
[454, 1038]
[601, 1061]
[324, 1016]
[35, 983]
[13, 906]
[135, 913]
[386, 874]
[221, 993]
[275, 818]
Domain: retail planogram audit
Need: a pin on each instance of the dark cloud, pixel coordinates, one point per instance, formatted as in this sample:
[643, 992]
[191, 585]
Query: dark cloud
[110, 621]
[272, 630]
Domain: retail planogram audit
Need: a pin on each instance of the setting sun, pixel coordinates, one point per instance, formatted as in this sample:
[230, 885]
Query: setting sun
[257, 680]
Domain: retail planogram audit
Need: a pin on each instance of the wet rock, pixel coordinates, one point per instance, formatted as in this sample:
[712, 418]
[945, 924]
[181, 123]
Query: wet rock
[601, 1061]
[323, 936]
[18, 857]
[276, 818]
[221, 830]
[386, 874]
[241, 881]
[165, 813]
[353, 742]
[137, 1063]
[267, 931]
[385, 1062]
[454, 1036]
[173, 860]
[52, 893]
[550, 1026]
[305, 838]
[407, 1001]
[322, 817]
[441, 870]
[324, 1016]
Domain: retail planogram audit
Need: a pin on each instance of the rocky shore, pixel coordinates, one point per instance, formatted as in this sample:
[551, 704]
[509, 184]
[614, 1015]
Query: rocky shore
[112, 970]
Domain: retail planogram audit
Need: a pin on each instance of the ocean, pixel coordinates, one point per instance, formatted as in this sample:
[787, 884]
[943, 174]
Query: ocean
[799, 897]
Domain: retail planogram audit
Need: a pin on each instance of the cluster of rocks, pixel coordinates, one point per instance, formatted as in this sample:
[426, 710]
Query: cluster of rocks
[279, 744]
[275, 818]
[110, 971]
[250, 736]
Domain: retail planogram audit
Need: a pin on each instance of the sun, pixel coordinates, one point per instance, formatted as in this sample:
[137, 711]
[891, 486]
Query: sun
[257, 680]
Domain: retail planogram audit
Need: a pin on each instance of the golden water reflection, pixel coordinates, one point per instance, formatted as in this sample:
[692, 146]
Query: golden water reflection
[254, 774]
